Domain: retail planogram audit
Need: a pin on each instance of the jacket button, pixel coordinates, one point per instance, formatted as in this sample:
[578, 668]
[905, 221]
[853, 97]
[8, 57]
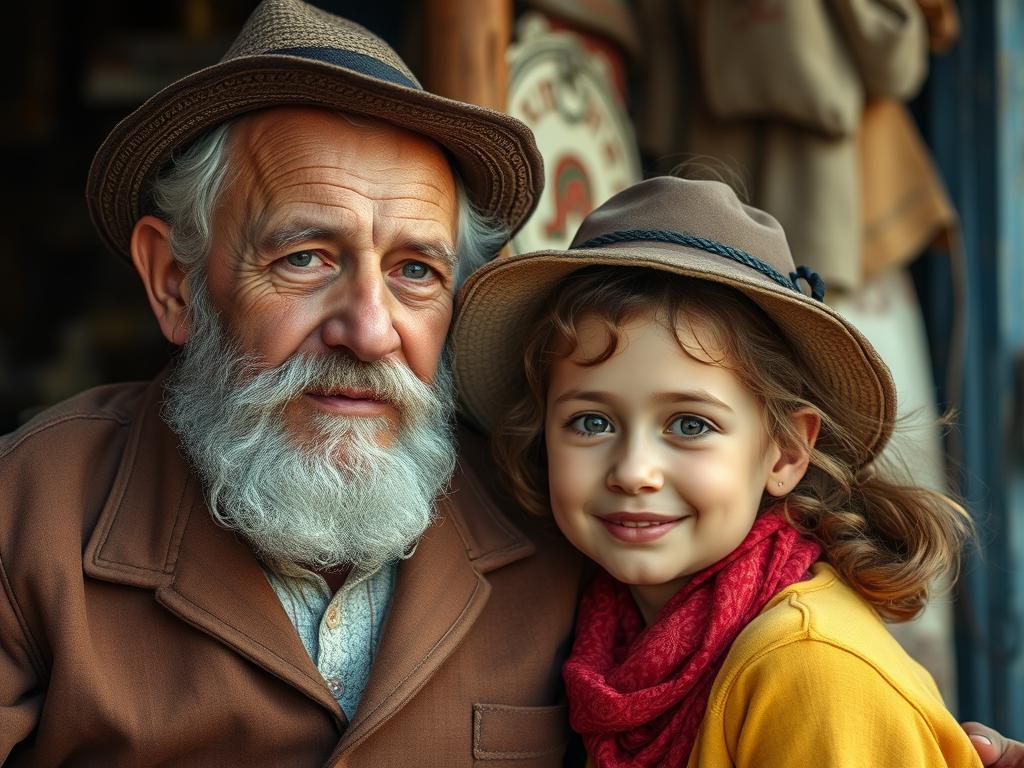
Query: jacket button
[333, 619]
[335, 686]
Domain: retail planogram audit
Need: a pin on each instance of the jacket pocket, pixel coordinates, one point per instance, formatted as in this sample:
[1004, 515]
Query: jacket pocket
[504, 732]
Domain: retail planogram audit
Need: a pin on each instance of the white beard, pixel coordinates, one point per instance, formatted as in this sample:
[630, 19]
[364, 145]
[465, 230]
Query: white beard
[340, 498]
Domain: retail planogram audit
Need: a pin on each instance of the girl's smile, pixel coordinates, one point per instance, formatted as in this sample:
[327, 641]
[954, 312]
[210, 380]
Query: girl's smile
[639, 526]
[657, 457]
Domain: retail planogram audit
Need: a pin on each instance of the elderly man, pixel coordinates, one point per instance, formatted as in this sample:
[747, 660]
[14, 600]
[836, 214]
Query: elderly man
[263, 557]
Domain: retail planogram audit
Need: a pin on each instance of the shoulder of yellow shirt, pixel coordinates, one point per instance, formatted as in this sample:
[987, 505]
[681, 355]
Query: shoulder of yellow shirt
[818, 639]
[825, 610]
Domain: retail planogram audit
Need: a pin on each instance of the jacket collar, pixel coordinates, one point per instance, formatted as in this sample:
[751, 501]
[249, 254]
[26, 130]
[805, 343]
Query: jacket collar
[155, 532]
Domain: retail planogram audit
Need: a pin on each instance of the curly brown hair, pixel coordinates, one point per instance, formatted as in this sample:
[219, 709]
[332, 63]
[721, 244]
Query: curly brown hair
[888, 540]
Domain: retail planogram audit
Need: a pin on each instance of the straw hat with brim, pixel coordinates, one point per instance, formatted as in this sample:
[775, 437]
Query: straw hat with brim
[291, 53]
[694, 228]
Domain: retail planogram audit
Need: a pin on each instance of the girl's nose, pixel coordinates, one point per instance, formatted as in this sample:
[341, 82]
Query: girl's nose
[636, 470]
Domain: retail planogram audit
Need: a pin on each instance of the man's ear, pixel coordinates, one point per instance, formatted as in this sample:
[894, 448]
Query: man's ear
[166, 283]
[791, 464]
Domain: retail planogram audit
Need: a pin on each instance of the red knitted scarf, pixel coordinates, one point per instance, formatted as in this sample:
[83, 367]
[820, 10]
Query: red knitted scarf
[637, 695]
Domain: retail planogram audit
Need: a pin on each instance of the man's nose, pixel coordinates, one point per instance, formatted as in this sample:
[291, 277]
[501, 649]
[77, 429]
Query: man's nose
[360, 316]
[636, 468]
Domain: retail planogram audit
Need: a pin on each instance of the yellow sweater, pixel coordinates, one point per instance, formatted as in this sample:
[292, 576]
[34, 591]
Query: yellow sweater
[816, 680]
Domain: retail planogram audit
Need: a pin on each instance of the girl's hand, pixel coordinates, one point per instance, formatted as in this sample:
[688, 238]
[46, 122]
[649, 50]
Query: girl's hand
[994, 749]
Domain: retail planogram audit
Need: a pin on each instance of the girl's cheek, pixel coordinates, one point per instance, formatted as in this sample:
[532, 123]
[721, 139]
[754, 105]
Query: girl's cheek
[564, 491]
[565, 469]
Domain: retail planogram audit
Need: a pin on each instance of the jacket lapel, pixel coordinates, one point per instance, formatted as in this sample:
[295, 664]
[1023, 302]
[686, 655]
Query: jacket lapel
[156, 532]
[219, 587]
[441, 591]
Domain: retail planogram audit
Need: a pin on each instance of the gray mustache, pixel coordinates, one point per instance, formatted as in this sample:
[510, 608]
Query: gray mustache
[390, 381]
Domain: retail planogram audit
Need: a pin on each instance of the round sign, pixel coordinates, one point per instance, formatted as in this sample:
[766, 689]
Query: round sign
[565, 94]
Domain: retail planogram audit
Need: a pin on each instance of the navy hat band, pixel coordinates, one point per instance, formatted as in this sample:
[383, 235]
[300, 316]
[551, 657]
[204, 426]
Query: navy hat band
[357, 62]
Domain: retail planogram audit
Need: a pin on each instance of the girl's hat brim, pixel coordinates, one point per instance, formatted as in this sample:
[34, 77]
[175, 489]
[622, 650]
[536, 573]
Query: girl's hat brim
[290, 53]
[499, 302]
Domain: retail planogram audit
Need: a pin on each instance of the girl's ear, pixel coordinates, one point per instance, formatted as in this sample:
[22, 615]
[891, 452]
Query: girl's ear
[791, 464]
[166, 283]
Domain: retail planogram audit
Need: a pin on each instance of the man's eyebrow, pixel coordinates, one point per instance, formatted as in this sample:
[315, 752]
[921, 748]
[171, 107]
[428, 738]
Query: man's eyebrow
[441, 251]
[280, 238]
[294, 233]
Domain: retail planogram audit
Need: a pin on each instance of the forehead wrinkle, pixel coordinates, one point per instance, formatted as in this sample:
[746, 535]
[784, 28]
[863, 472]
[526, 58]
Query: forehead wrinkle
[398, 172]
[405, 196]
[417, 200]
[429, 182]
[358, 200]
[269, 167]
[413, 188]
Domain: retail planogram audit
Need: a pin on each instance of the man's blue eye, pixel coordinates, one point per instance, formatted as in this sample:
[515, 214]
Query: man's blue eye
[415, 270]
[689, 426]
[591, 424]
[300, 259]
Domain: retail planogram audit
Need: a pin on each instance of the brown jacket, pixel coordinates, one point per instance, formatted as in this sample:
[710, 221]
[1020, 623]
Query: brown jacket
[134, 631]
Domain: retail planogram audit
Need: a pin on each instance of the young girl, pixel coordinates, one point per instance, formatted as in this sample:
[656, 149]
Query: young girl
[704, 431]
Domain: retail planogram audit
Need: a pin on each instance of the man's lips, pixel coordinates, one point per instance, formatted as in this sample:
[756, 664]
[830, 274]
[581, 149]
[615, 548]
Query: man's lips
[639, 527]
[349, 402]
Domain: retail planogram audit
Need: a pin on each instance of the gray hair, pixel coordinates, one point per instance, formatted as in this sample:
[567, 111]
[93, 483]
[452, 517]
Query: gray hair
[186, 191]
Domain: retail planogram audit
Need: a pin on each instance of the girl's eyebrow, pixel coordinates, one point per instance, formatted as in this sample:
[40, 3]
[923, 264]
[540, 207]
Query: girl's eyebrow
[686, 396]
[694, 396]
[589, 394]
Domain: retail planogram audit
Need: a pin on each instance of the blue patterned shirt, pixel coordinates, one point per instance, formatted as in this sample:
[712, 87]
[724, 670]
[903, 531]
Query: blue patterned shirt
[341, 632]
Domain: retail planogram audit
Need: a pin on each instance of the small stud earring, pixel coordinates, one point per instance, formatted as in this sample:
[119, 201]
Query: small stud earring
[780, 483]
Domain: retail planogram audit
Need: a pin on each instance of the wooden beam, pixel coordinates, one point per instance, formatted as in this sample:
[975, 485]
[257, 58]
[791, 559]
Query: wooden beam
[466, 42]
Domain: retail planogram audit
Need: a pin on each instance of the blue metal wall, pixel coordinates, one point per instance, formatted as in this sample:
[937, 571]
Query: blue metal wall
[975, 126]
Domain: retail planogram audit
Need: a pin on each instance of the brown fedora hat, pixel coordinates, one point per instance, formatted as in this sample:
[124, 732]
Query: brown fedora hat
[694, 228]
[291, 53]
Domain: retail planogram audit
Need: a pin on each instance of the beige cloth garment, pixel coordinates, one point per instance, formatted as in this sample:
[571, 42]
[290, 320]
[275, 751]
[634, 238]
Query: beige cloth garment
[809, 63]
[796, 154]
[611, 19]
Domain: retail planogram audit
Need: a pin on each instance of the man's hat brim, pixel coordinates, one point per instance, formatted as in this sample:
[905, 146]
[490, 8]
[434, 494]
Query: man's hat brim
[495, 154]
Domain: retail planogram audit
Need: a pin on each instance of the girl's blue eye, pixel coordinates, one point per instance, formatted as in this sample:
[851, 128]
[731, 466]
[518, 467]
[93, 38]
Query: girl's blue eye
[689, 426]
[591, 424]
[415, 270]
[300, 259]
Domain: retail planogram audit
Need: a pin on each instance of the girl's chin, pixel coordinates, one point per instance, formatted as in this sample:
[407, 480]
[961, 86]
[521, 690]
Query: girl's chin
[651, 580]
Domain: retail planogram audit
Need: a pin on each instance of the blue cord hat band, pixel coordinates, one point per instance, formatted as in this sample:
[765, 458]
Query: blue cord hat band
[813, 279]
